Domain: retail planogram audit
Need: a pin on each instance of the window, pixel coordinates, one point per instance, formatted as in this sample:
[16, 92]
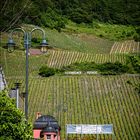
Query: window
[48, 137]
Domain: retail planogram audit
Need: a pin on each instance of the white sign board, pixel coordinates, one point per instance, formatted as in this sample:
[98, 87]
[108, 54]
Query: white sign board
[89, 129]
[73, 129]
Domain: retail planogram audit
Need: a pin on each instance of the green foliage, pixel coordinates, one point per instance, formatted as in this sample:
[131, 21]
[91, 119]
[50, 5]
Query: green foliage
[105, 68]
[15, 12]
[13, 125]
[118, 12]
[137, 37]
[137, 34]
[52, 20]
[35, 40]
[12, 12]
[6, 138]
[133, 63]
[105, 30]
[45, 71]
[79, 15]
[132, 66]
[112, 68]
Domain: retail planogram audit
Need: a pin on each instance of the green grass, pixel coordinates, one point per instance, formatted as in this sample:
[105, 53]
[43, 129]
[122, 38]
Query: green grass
[104, 30]
[14, 63]
[81, 42]
[67, 41]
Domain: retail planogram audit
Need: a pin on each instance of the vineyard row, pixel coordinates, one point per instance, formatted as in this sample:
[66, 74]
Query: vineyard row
[126, 47]
[88, 100]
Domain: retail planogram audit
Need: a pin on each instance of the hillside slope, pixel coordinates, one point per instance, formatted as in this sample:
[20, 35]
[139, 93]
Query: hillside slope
[86, 99]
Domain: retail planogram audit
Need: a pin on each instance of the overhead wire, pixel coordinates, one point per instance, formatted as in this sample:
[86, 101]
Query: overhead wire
[17, 16]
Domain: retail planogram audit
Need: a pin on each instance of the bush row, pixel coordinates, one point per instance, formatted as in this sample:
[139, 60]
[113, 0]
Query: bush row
[132, 66]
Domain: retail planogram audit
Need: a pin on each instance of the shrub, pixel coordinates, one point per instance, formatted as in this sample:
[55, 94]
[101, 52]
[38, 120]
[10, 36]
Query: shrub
[105, 69]
[45, 71]
[112, 68]
[137, 37]
[13, 125]
[133, 63]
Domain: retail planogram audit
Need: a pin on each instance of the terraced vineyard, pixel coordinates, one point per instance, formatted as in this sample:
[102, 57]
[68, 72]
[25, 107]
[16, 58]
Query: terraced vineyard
[125, 47]
[14, 63]
[87, 100]
[61, 58]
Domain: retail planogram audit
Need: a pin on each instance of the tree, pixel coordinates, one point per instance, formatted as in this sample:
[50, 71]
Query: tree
[13, 124]
[14, 12]
[79, 15]
[11, 12]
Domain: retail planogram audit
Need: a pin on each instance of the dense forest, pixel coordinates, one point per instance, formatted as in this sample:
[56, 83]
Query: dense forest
[55, 13]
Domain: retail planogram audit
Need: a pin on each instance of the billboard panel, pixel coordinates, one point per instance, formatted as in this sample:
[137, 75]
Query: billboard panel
[89, 129]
